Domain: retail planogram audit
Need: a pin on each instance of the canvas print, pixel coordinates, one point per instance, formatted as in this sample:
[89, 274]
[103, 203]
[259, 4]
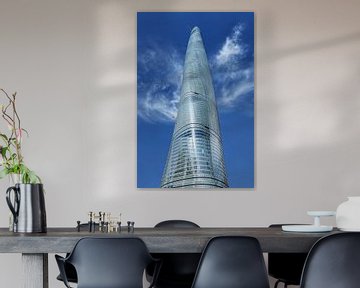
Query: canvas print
[195, 106]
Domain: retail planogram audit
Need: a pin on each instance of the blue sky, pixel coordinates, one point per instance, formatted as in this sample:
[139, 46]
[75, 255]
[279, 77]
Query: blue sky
[161, 45]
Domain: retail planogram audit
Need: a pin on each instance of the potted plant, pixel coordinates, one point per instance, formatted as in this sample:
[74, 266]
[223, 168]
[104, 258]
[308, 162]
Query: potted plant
[26, 198]
[11, 158]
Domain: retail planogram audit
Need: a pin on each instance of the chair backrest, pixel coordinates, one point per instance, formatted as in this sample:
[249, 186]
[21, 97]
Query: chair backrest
[110, 262]
[176, 224]
[333, 262]
[178, 269]
[232, 262]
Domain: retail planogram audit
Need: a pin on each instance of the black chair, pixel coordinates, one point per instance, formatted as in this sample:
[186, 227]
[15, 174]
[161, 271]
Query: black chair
[286, 267]
[176, 224]
[333, 262]
[69, 269]
[178, 269]
[108, 263]
[232, 262]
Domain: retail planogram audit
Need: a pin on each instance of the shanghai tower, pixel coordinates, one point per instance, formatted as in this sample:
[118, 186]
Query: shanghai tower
[195, 158]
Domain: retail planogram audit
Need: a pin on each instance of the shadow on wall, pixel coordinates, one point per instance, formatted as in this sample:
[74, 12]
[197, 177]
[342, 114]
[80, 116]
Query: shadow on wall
[307, 120]
[310, 47]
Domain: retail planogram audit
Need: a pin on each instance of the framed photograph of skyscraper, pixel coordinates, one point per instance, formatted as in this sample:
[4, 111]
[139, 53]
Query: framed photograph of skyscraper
[195, 109]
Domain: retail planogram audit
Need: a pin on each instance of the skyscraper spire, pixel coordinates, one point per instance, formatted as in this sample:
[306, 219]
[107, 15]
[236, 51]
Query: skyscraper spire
[195, 156]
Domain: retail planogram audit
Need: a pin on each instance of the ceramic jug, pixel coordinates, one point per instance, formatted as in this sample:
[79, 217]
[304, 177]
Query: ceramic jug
[348, 214]
[27, 207]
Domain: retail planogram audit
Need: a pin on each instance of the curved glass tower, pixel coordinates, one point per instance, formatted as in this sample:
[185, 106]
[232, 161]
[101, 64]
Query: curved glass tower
[195, 156]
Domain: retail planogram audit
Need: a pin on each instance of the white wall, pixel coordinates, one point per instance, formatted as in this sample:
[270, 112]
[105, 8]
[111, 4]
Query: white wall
[73, 66]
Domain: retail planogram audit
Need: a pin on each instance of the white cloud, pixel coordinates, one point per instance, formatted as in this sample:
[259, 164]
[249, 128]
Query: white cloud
[233, 73]
[231, 96]
[158, 106]
[159, 93]
[232, 47]
[234, 87]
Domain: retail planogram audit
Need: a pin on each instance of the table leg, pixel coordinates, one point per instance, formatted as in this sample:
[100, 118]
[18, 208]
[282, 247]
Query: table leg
[35, 270]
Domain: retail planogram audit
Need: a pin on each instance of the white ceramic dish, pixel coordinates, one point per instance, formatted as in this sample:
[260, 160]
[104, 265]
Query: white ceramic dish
[321, 213]
[306, 228]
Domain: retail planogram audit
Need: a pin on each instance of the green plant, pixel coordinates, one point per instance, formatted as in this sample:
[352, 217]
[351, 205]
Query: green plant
[11, 159]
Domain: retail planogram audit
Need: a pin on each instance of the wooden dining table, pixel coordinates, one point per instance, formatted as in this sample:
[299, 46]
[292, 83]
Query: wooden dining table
[35, 247]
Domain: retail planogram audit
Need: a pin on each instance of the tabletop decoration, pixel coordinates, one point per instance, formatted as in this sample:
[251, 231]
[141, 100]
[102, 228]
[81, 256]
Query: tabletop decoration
[348, 214]
[103, 222]
[315, 227]
[25, 197]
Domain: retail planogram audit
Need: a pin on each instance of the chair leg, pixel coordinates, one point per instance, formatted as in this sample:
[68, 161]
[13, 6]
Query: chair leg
[278, 282]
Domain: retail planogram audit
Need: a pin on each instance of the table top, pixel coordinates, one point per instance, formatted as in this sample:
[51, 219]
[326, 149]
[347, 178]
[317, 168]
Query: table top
[158, 240]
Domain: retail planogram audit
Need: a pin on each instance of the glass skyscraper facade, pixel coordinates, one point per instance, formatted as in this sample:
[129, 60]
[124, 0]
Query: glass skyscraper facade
[195, 156]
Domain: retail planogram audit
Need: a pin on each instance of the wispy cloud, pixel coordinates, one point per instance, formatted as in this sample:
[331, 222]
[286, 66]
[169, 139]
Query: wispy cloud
[233, 72]
[159, 83]
[158, 104]
[236, 92]
[232, 48]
